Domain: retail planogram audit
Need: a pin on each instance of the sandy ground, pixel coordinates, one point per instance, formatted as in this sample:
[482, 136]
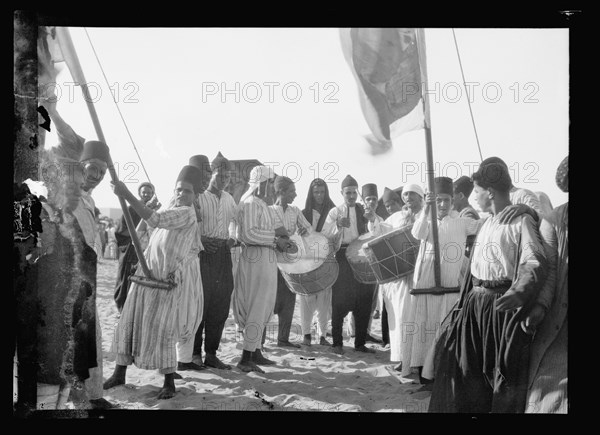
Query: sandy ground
[307, 379]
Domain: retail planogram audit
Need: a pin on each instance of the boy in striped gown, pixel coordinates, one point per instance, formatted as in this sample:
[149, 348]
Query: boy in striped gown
[217, 227]
[255, 287]
[157, 326]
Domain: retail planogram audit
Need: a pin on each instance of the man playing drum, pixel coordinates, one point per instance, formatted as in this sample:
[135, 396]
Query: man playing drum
[396, 294]
[293, 220]
[255, 283]
[344, 224]
[318, 204]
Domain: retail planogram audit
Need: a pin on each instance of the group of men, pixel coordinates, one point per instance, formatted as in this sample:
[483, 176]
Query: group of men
[419, 307]
[470, 329]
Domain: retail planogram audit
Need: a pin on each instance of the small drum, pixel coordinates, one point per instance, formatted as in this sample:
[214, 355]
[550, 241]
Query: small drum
[357, 258]
[313, 268]
[393, 255]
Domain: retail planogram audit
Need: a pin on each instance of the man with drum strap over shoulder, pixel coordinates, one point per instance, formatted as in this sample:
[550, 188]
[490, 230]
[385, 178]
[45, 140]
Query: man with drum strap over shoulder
[344, 224]
[318, 204]
[293, 220]
[396, 294]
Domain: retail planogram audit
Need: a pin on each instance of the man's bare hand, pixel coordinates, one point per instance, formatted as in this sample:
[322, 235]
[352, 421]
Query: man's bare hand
[343, 222]
[281, 232]
[513, 211]
[302, 231]
[119, 188]
[154, 203]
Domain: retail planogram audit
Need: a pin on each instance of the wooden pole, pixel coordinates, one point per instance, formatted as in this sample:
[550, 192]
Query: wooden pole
[70, 55]
[430, 171]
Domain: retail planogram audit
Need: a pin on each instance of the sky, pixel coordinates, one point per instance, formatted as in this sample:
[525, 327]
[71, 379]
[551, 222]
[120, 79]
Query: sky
[287, 97]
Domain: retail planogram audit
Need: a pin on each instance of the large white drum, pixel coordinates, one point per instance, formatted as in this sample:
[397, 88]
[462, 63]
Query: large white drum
[311, 269]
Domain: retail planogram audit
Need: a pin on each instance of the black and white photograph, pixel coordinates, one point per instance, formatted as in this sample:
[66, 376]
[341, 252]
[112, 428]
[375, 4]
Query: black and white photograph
[272, 219]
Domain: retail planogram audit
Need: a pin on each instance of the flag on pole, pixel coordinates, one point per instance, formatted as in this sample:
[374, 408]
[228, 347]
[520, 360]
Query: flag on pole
[389, 67]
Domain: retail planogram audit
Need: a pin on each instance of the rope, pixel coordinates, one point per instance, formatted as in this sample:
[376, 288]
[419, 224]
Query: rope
[468, 98]
[117, 106]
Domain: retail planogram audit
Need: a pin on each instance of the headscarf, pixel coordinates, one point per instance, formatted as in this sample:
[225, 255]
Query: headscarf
[309, 205]
[414, 188]
[258, 174]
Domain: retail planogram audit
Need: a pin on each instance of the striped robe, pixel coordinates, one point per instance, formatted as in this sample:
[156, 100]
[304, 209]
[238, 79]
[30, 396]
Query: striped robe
[255, 282]
[153, 320]
[218, 215]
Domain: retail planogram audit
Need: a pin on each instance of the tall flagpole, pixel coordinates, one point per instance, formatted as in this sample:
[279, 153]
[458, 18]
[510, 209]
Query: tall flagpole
[430, 171]
[70, 55]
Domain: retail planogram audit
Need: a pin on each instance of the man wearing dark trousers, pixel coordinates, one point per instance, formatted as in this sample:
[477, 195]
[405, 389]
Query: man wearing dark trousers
[217, 227]
[344, 224]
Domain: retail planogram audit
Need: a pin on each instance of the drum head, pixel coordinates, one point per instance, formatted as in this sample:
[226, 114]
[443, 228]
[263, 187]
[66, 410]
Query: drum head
[313, 249]
[355, 252]
[393, 255]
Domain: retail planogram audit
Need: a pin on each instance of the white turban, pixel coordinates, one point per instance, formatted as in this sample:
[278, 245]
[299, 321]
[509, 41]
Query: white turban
[414, 188]
[258, 175]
